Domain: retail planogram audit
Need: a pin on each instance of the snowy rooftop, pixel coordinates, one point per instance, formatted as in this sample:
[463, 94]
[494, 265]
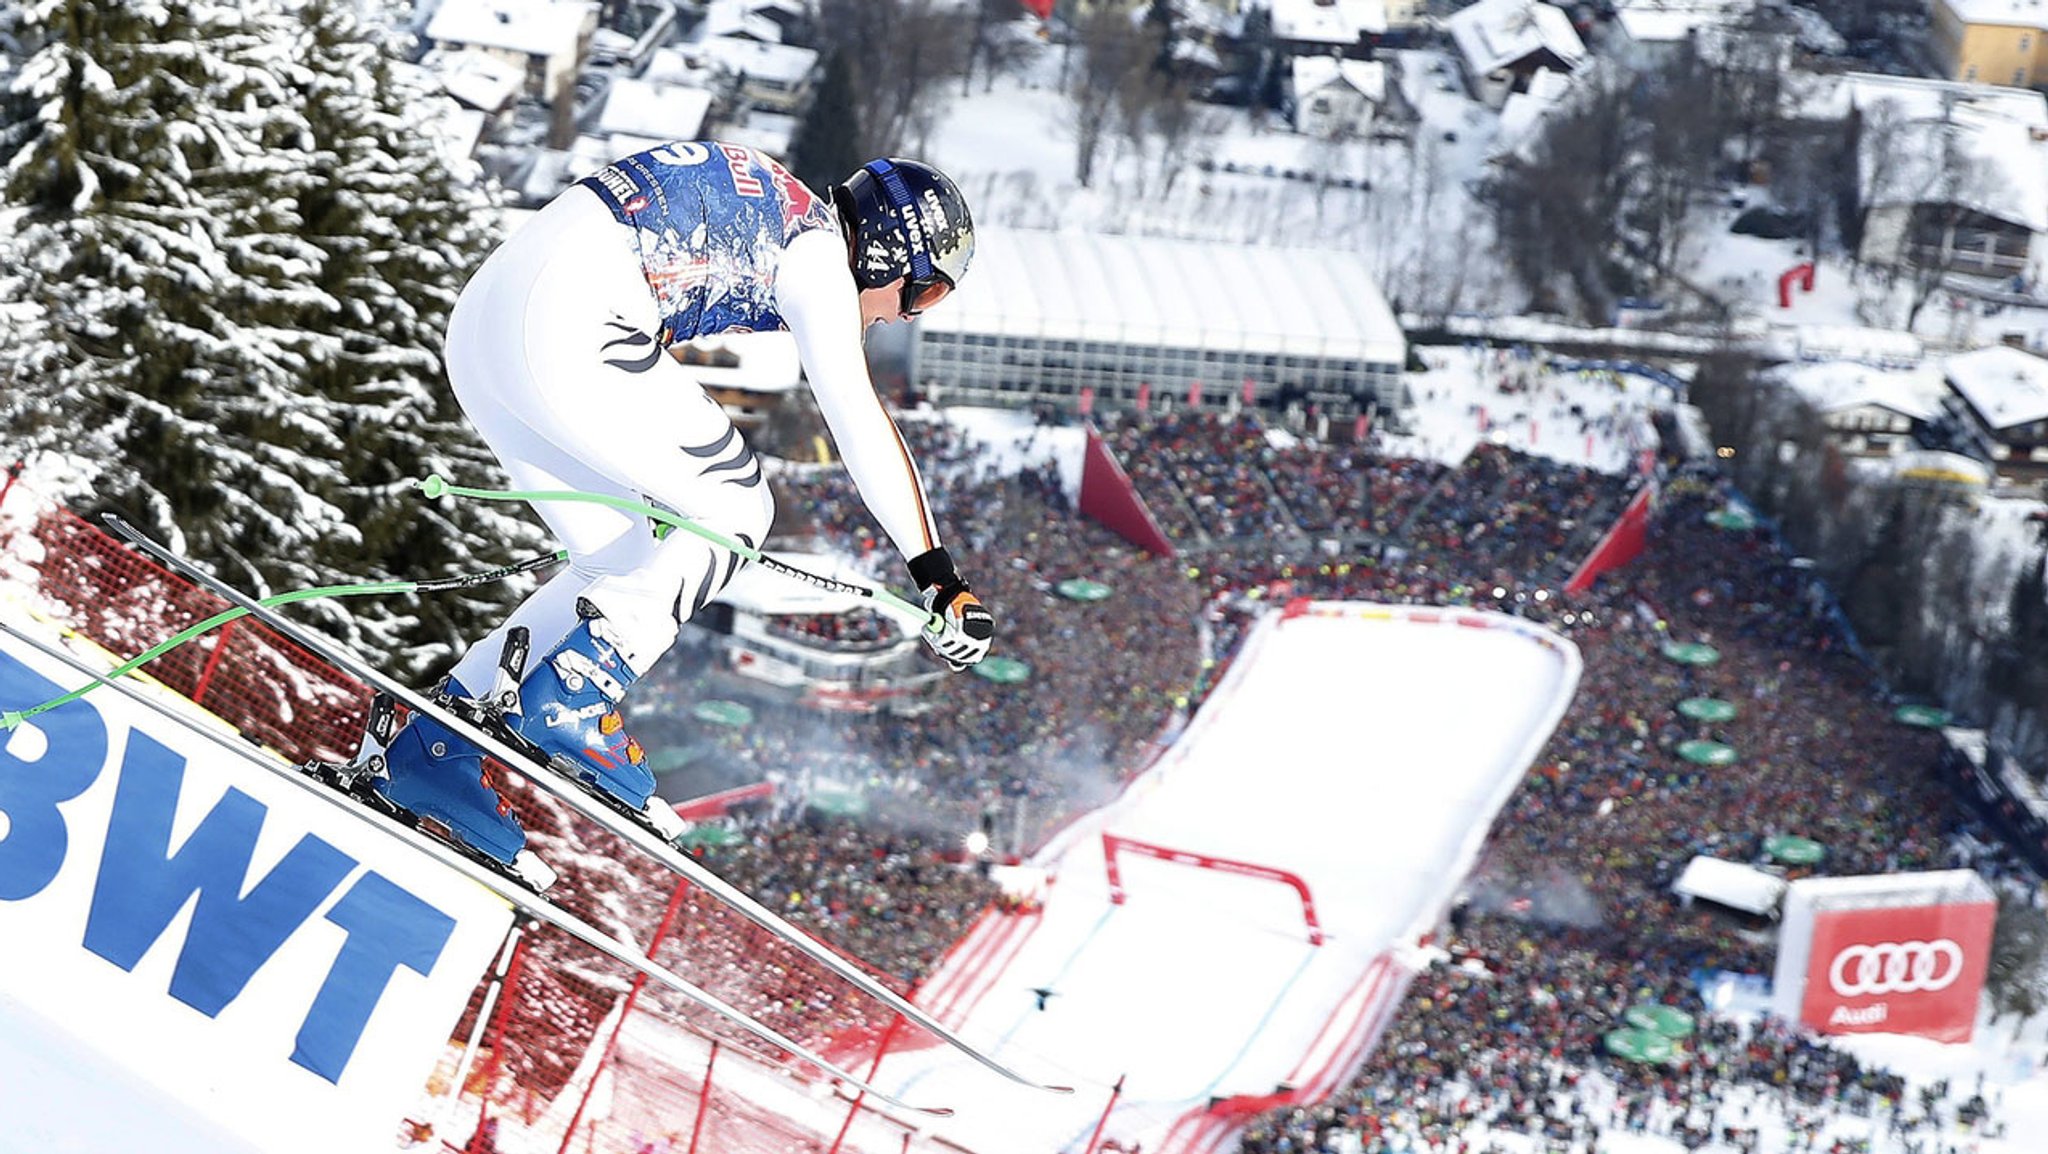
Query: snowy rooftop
[1831, 386]
[1158, 291]
[661, 111]
[1496, 33]
[739, 18]
[1341, 22]
[777, 63]
[2016, 13]
[1523, 112]
[2004, 169]
[1369, 77]
[533, 27]
[2007, 386]
[1655, 21]
[771, 132]
[477, 79]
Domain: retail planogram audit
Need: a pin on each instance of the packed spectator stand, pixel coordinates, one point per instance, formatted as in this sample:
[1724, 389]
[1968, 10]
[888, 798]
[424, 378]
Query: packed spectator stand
[1570, 919]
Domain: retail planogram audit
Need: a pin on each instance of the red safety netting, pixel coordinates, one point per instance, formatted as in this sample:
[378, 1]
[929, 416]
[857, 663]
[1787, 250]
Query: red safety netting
[575, 1053]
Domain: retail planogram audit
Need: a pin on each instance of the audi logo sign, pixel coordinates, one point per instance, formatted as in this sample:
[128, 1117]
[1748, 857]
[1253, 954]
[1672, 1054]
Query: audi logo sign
[1898, 970]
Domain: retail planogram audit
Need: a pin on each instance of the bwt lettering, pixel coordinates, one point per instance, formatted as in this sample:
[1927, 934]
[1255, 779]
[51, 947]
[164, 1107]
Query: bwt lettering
[142, 882]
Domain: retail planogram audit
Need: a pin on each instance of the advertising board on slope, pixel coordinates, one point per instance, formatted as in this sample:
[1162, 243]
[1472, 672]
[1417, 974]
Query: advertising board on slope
[190, 927]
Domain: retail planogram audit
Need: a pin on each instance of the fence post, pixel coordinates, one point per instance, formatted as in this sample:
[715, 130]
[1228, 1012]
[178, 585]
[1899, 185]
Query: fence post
[703, 1097]
[668, 919]
[13, 474]
[220, 649]
[497, 1032]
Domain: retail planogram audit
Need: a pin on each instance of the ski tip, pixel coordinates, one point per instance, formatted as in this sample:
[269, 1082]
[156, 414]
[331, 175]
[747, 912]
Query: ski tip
[1057, 1089]
[935, 1111]
[12, 719]
[433, 486]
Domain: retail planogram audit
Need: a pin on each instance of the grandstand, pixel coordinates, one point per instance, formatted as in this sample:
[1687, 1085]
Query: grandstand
[1135, 322]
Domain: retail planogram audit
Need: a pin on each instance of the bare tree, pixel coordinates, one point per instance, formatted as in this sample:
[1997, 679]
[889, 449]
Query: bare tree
[900, 53]
[1557, 208]
[1940, 209]
[1112, 49]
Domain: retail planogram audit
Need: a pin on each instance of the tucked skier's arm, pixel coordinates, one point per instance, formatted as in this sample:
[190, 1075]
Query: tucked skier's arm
[817, 297]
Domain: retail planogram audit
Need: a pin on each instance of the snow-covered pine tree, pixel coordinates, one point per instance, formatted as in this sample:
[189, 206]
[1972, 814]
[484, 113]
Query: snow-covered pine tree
[231, 248]
[401, 228]
[156, 248]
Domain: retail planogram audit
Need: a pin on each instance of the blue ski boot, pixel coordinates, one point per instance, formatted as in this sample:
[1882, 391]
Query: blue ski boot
[432, 772]
[569, 710]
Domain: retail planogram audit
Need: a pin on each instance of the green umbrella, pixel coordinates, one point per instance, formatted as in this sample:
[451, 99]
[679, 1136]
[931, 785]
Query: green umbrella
[1707, 709]
[1707, 752]
[724, 713]
[668, 759]
[1691, 653]
[1795, 850]
[1082, 589]
[1923, 716]
[708, 835]
[839, 800]
[1660, 1019]
[1636, 1045]
[1003, 670]
[1732, 519]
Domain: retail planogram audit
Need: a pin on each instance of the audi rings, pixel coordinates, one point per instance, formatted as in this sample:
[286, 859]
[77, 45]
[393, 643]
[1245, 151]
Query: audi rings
[1896, 968]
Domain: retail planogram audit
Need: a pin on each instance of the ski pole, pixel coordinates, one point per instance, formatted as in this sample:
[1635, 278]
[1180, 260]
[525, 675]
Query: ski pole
[434, 486]
[12, 718]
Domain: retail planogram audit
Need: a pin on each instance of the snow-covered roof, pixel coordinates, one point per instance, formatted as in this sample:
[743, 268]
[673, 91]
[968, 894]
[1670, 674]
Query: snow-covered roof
[1832, 386]
[1493, 34]
[663, 111]
[764, 362]
[2013, 13]
[532, 27]
[2005, 385]
[1336, 22]
[1731, 884]
[1523, 112]
[2004, 174]
[771, 132]
[1655, 21]
[478, 79]
[738, 18]
[1368, 77]
[680, 65]
[1154, 291]
[784, 64]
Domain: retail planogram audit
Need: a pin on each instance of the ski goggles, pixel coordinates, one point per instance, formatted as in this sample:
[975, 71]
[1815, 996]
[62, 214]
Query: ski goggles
[919, 295]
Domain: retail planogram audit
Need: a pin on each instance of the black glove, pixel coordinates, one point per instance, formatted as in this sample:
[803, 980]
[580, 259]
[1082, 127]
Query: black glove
[965, 628]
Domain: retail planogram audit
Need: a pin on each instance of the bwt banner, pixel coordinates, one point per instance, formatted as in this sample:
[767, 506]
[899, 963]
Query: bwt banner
[179, 925]
[1899, 970]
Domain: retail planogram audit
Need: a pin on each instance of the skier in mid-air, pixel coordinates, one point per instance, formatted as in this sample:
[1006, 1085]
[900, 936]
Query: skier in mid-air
[558, 350]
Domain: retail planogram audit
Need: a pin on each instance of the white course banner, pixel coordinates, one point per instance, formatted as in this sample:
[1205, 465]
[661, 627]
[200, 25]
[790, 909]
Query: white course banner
[198, 954]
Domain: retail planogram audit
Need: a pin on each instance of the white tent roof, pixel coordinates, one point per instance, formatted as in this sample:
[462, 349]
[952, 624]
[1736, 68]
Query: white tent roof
[1731, 884]
[2007, 386]
[1153, 291]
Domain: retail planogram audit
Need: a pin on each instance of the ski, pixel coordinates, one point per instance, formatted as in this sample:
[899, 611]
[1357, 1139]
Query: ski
[631, 830]
[508, 889]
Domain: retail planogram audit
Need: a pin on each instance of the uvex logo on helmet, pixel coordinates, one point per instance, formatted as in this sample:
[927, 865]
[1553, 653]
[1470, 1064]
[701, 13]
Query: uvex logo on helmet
[1916, 967]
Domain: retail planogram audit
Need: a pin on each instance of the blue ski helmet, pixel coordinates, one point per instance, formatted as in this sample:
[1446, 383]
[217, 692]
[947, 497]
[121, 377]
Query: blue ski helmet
[906, 220]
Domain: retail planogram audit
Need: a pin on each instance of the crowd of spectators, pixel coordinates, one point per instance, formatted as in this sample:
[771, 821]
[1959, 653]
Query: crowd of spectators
[1569, 918]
